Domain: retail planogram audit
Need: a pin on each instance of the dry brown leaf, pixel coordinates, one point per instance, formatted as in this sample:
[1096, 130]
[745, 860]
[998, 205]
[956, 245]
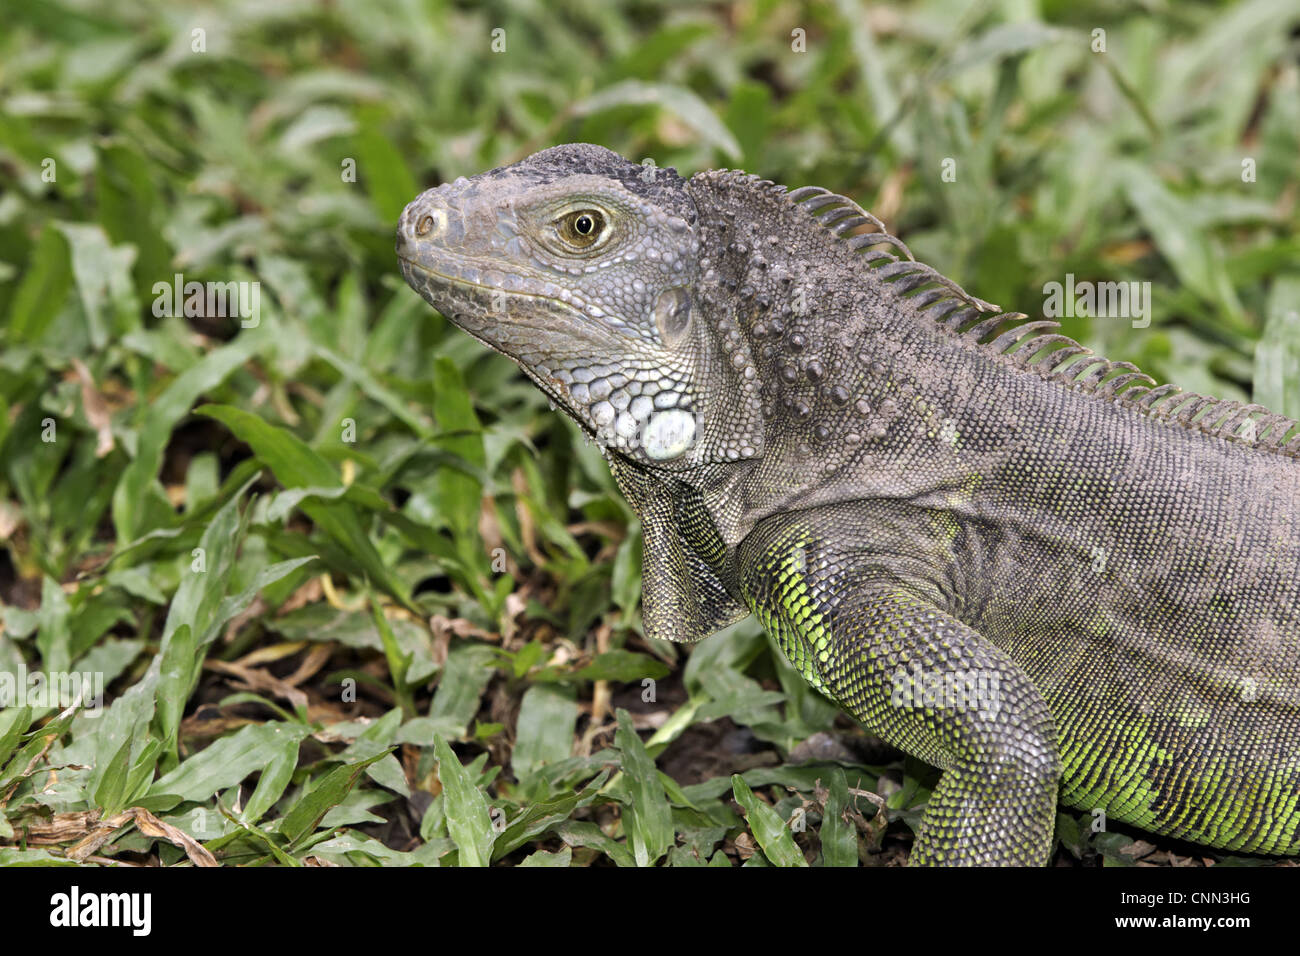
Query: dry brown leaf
[1138, 849]
[516, 603]
[97, 837]
[316, 658]
[605, 529]
[151, 826]
[11, 519]
[254, 611]
[745, 846]
[600, 692]
[212, 726]
[259, 680]
[310, 591]
[96, 410]
[62, 827]
[29, 770]
[458, 626]
[272, 652]
[527, 526]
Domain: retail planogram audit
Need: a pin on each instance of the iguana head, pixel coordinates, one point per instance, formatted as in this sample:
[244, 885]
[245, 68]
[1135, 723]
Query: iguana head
[581, 266]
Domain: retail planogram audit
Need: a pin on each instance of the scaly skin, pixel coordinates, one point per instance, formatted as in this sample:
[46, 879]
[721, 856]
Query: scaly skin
[1003, 554]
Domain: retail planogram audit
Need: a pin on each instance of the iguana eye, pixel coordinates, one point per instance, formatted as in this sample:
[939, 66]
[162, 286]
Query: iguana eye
[581, 228]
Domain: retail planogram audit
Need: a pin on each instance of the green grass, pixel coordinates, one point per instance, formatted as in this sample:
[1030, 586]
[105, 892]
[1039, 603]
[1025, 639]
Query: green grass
[357, 596]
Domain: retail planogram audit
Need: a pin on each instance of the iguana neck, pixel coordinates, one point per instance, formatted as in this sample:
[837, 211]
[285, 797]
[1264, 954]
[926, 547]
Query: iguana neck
[844, 367]
[851, 336]
[783, 290]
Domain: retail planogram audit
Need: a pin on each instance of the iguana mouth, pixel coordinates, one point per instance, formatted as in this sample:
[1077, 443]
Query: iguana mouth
[554, 389]
[583, 328]
[452, 279]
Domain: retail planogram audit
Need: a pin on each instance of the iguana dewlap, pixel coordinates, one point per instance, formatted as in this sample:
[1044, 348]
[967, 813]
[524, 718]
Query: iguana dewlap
[1005, 555]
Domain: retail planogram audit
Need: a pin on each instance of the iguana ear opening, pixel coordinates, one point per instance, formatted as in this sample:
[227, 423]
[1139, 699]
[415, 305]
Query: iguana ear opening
[672, 315]
[683, 595]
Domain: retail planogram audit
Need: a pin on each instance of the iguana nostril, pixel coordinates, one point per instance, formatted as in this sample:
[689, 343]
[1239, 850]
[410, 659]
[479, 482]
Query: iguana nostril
[430, 221]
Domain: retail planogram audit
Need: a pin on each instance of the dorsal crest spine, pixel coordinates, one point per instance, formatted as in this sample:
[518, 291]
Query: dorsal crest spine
[1032, 344]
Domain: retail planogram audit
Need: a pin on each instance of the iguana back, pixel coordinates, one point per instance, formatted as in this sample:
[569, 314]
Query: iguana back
[1010, 557]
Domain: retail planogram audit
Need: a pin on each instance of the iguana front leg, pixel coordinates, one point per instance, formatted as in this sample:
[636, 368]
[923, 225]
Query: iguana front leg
[920, 679]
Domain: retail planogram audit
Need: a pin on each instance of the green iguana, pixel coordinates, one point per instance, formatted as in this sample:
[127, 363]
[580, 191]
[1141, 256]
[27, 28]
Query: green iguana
[1023, 563]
